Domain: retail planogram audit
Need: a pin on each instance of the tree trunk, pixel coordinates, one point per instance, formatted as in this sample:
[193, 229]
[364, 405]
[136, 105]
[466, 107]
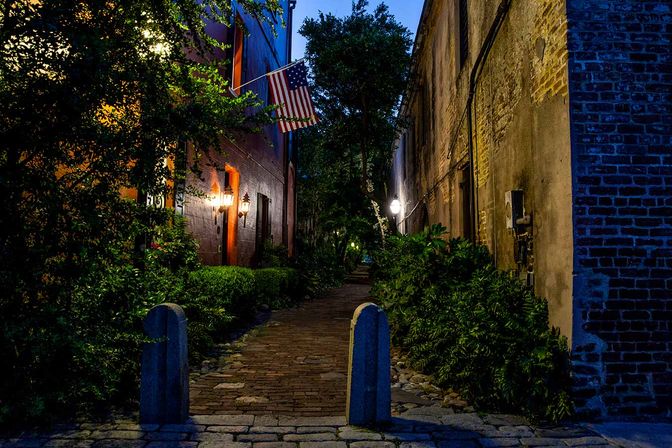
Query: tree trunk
[363, 149]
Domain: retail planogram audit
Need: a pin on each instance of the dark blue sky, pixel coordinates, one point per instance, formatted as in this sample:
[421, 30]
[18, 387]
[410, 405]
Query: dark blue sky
[406, 11]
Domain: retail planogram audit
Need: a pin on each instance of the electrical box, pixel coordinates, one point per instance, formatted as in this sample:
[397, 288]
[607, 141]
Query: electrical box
[514, 208]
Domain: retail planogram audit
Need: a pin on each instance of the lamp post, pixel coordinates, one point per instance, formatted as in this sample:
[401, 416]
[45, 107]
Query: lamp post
[395, 208]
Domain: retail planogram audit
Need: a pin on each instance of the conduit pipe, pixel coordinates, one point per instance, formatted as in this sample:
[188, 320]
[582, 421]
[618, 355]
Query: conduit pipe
[490, 39]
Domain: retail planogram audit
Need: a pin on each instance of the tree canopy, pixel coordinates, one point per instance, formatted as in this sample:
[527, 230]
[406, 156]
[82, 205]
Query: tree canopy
[95, 97]
[359, 66]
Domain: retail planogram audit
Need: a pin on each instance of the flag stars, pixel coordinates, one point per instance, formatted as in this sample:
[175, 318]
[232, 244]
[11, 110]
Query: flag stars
[297, 76]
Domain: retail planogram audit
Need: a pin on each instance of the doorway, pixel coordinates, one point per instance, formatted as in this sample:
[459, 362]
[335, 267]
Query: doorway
[263, 228]
[465, 203]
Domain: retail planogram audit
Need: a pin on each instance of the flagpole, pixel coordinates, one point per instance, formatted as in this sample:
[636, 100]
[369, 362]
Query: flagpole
[269, 73]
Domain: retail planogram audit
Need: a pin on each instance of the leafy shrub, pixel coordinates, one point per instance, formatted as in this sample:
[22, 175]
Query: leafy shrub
[76, 355]
[173, 247]
[76, 345]
[73, 344]
[474, 328]
[320, 268]
[216, 298]
[219, 298]
[274, 256]
[277, 287]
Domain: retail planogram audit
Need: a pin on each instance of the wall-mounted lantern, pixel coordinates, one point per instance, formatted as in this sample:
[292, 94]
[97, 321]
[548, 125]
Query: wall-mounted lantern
[226, 199]
[244, 208]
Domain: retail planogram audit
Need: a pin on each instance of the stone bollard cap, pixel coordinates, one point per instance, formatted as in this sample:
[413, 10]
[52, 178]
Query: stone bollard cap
[153, 321]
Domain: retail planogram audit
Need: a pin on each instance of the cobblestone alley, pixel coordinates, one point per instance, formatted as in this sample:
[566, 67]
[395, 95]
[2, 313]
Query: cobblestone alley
[284, 386]
[295, 365]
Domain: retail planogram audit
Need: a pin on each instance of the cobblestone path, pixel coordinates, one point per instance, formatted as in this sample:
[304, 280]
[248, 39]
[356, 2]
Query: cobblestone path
[284, 387]
[294, 365]
[431, 429]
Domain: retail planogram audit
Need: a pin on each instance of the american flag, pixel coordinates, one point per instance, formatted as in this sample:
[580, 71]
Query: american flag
[290, 91]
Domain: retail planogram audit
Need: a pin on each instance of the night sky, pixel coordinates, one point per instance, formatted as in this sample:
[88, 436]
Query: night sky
[406, 11]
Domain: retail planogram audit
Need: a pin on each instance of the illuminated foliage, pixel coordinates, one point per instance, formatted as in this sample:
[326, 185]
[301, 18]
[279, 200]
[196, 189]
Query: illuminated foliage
[95, 96]
[359, 66]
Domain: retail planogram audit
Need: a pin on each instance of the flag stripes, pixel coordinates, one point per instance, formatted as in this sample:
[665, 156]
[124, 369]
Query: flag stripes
[289, 88]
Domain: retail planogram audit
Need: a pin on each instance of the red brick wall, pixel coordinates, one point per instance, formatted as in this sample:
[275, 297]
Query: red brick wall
[257, 173]
[258, 161]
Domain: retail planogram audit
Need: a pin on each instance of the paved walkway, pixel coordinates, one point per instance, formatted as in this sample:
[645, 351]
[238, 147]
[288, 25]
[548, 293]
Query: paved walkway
[294, 365]
[248, 431]
[284, 387]
[636, 435]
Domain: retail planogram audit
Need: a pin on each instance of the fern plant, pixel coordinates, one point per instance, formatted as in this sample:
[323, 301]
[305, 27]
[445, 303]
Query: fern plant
[476, 329]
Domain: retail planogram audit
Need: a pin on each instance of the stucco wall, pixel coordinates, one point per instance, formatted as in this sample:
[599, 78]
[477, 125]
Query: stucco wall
[520, 134]
[522, 142]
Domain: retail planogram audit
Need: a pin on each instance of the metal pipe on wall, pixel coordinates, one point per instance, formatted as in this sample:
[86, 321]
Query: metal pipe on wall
[483, 54]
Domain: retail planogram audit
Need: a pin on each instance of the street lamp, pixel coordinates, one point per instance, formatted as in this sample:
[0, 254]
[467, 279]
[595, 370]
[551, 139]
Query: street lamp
[395, 206]
[244, 208]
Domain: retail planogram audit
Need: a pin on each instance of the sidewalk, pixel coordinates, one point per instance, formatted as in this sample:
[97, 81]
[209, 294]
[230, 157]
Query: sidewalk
[635, 435]
[429, 428]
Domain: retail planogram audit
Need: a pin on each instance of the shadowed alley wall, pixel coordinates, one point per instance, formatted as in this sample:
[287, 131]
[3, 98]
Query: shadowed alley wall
[521, 138]
[572, 105]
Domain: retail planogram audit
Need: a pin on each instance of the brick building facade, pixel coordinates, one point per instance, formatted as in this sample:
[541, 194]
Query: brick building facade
[563, 107]
[621, 126]
[259, 165]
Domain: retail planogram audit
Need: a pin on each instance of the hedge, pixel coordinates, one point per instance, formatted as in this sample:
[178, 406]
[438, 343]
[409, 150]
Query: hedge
[219, 298]
[277, 287]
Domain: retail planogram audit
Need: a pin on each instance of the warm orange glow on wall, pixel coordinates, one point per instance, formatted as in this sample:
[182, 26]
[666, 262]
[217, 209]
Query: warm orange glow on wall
[239, 40]
[129, 193]
[215, 194]
[232, 243]
[113, 116]
[170, 183]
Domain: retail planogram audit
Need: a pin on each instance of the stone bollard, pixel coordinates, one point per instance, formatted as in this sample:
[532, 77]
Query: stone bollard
[164, 384]
[369, 393]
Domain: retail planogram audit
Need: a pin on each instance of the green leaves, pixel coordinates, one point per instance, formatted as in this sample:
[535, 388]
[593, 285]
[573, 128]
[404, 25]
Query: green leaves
[359, 67]
[474, 328]
[278, 287]
[97, 100]
[217, 298]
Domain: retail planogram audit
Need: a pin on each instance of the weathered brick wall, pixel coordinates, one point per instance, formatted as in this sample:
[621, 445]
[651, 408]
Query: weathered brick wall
[621, 121]
[520, 138]
[258, 173]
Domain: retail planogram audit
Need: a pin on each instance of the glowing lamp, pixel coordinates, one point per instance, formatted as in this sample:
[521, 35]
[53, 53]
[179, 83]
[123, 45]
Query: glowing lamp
[244, 208]
[226, 199]
[395, 206]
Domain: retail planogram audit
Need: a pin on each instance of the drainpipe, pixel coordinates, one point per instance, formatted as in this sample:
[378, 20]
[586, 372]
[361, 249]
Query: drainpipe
[288, 140]
[490, 39]
[290, 29]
